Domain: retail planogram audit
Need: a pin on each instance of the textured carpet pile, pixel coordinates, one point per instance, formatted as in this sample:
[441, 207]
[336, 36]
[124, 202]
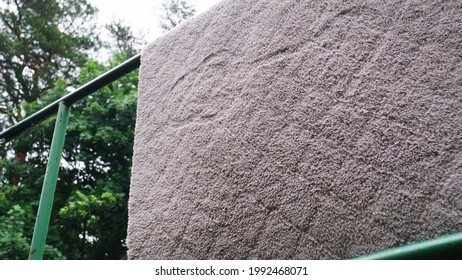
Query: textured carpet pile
[299, 130]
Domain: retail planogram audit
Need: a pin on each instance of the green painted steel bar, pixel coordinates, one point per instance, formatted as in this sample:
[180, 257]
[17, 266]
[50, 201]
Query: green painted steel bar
[49, 184]
[443, 248]
[83, 91]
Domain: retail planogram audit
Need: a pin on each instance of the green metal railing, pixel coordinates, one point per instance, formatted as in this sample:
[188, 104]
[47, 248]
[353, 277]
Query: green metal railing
[62, 106]
[446, 247]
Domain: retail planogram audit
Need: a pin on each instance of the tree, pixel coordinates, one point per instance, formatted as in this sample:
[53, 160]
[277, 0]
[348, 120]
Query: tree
[123, 39]
[175, 12]
[14, 224]
[89, 217]
[41, 41]
[43, 45]
[100, 144]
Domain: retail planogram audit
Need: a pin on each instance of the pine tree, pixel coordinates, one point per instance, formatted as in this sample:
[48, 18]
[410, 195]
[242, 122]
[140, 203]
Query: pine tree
[41, 41]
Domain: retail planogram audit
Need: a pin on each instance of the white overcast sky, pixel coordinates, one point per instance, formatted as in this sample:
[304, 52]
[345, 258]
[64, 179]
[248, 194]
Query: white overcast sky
[141, 15]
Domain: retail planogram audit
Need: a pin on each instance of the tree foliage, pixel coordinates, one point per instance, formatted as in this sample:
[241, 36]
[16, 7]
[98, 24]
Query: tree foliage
[174, 12]
[44, 47]
[100, 144]
[41, 41]
[89, 215]
[123, 39]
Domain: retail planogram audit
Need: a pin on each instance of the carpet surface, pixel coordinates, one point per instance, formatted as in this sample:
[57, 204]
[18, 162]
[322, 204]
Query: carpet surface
[299, 130]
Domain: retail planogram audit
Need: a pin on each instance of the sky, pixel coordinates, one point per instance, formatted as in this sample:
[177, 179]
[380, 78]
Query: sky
[141, 15]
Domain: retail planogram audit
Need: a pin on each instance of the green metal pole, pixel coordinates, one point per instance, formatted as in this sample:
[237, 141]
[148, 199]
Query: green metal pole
[448, 247]
[49, 184]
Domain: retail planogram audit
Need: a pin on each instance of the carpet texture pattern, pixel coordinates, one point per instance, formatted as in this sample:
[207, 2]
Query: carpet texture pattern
[299, 130]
